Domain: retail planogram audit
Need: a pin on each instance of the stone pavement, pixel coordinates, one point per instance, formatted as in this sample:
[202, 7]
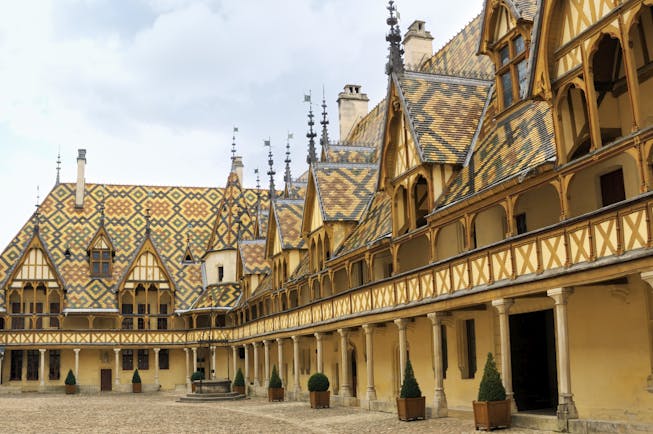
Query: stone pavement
[159, 412]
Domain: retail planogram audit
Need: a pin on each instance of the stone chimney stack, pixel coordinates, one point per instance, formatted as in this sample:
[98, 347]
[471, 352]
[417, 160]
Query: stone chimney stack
[81, 182]
[238, 168]
[352, 107]
[418, 45]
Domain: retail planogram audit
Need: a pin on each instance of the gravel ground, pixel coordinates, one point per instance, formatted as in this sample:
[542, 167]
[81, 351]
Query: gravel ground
[159, 412]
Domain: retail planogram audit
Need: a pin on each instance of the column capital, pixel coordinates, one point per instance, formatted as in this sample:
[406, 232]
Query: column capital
[401, 323]
[318, 335]
[156, 350]
[437, 317]
[266, 342]
[76, 350]
[295, 339]
[245, 346]
[42, 350]
[647, 276]
[255, 344]
[560, 295]
[343, 332]
[194, 349]
[280, 341]
[503, 305]
[368, 328]
[117, 350]
[185, 350]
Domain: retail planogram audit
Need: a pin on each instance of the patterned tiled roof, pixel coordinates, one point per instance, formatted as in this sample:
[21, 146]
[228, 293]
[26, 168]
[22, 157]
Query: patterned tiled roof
[297, 190]
[288, 217]
[444, 112]
[522, 141]
[172, 210]
[252, 255]
[262, 222]
[218, 296]
[458, 56]
[264, 286]
[351, 154]
[526, 9]
[376, 223]
[344, 190]
[302, 269]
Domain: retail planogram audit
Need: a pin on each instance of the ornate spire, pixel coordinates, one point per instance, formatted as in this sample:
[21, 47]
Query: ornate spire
[147, 214]
[58, 165]
[395, 61]
[312, 157]
[37, 212]
[271, 171]
[233, 148]
[324, 140]
[258, 191]
[288, 177]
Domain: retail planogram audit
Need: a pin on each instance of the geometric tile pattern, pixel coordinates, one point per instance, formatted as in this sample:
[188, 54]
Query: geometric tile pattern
[522, 141]
[218, 296]
[526, 9]
[376, 223]
[344, 190]
[288, 220]
[175, 214]
[444, 112]
[252, 256]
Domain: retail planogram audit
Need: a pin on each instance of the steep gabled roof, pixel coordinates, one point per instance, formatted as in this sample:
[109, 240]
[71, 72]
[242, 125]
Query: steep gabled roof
[375, 224]
[221, 296]
[288, 220]
[252, 257]
[344, 190]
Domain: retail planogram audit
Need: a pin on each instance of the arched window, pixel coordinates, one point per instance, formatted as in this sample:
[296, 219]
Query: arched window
[574, 123]
[100, 255]
[421, 201]
[401, 211]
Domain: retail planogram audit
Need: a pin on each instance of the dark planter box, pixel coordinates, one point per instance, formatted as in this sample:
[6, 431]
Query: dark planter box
[71, 389]
[239, 389]
[492, 414]
[411, 408]
[137, 387]
[275, 394]
[320, 399]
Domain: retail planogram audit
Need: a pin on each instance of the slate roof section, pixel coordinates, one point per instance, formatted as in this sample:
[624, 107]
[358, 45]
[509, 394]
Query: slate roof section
[302, 269]
[344, 190]
[520, 142]
[526, 9]
[376, 224]
[252, 256]
[444, 113]
[288, 216]
[223, 296]
[458, 56]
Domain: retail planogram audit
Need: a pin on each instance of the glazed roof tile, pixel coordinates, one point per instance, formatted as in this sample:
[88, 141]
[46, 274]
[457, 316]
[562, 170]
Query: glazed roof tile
[344, 190]
[252, 256]
[223, 296]
[288, 216]
[375, 224]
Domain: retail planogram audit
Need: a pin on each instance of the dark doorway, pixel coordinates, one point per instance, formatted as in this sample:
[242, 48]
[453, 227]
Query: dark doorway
[354, 375]
[533, 355]
[105, 380]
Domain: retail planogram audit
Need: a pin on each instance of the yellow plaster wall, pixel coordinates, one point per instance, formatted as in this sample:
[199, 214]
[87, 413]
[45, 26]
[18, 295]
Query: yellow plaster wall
[225, 258]
[490, 226]
[542, 207]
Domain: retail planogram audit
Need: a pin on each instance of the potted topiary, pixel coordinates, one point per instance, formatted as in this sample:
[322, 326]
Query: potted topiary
[492, 410]
[71, 383]
[239, 383]
[318, 386]
[196, 376]
[411, 405]
[275, 389]
[136, 383]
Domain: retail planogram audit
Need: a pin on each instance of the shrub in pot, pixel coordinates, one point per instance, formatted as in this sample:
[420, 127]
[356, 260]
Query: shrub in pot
[318, 386]
[71, 383]
[411, 405]
[136, 383]
[492, 410]
[275, 388]
[239, 382]
[196, 376]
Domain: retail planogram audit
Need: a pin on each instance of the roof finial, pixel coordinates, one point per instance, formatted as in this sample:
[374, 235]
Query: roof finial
[288, 176]
[395, 61]
[37, 212]
[233, 148]
[311, 158]
[324, 140]
[271, 171]
[58, 165]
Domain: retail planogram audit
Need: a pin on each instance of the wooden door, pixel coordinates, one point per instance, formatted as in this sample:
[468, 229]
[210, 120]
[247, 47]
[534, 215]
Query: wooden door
[105, 379]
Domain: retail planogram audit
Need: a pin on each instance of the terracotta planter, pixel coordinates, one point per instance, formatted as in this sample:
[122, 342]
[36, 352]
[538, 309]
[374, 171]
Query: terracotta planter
[275, 394]
[71, 389]
[411, 408]
[192, 387]
[492, 414]
[137, 387]
[320, 399]
[239, 389]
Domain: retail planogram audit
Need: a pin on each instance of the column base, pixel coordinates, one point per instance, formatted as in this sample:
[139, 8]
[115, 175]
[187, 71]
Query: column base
[371, 394]
[513, 404]
[566, 408]
[649, 383]
[345, 391]
[440, 408]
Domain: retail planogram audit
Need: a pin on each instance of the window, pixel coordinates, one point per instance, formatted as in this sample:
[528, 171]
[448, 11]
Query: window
[54, 310]
[54, 364]
[143, 359]
[141, 321]
[164, 359]
[127, 323]
[512, 70]
[16, 373]
[220, 273]
[127, 360]
[32, 365]
[612, 187]
[100, 257]
[17, 323]
[520, 223]
[467, 349]
[162, 323]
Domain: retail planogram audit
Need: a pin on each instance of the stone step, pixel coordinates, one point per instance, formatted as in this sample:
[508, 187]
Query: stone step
[212, 395]
[202, 398]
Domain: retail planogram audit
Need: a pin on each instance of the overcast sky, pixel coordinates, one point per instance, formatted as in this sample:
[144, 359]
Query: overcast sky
[152, 88]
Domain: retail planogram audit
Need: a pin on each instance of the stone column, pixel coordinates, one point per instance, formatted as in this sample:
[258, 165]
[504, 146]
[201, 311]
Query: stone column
[266, 362]
[156, 366]
[401, 325]
[345, 386]
[234, 359]
[503, 307]
[246, 364]
[318, 338]
[194, 359]
[116, 353]
[187, 368]
[295, 354]
[76, 350]
[440, 399]
[369, 352]
[2, 360]
[280, 360]
[42, 367]
[212, 349]
[256, 373]
[566, 405]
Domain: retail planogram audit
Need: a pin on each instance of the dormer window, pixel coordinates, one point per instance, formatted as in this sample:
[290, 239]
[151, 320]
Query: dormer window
[220, 273]
[100, 258]
[512, 70]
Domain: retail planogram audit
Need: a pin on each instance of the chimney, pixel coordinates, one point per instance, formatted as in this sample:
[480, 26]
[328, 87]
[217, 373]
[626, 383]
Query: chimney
[238, 168]
[81, 166]
[418, 45]
[352, 107]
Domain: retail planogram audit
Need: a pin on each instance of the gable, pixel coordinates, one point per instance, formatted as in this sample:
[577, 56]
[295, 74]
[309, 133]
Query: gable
[147, 267]
[34, 266]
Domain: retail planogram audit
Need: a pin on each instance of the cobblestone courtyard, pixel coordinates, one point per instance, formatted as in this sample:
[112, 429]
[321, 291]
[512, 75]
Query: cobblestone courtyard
[161, 413]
